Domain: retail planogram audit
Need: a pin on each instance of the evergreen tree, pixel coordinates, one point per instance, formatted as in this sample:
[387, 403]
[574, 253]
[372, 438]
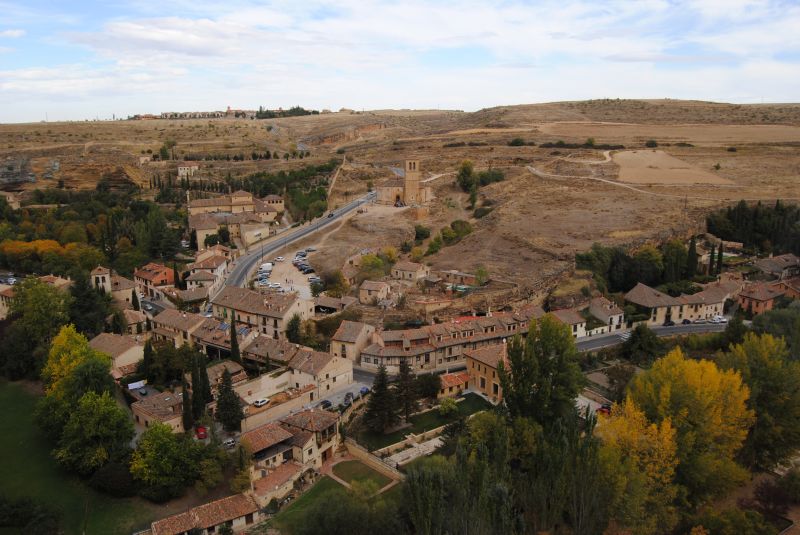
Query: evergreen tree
[147, 359]
[89, 307]
[198, 401]
[719, 259]
[405, 390]
[229, 410]
[188, 409]
[235, 354]
[135, 300]
[293, 330]
[205, 385]
[381, 413]
[691, 260]
[118, 324]
[711, 258]
[176, 276]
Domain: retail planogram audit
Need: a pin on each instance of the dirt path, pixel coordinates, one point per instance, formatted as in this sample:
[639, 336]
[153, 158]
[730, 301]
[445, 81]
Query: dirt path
[434, 177]
[606, 159]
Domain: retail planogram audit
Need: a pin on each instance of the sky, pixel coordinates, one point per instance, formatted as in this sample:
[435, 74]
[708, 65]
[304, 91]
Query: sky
[75, 60]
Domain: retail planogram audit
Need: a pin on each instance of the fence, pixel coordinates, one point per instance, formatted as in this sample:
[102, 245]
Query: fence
[360, 453]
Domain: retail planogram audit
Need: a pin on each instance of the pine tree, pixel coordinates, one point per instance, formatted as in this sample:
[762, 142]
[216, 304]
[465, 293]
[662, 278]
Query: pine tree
[719, 259]
[198, 401]
[711, 260]
[381, 411]
[235, 354]
[135, 300]
[229, 410]
[691, 260]
[147, 359]
[188, 409]
[176, 276]
[405, 390]
[205, 385]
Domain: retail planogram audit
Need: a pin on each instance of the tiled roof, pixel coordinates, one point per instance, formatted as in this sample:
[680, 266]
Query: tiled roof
[218, 333]
[164, 405]
[100, 270]
[311, 362]
[203, 222]
[711, 295]
[607, 306]
[264, 437]
[201, 275]
[405, 265]
[373, 285]
[645, 296]
[568, 316]
[175, 319]
[489, 355]
[277, 477]
[112, 344]
[195, 294]
[212, 262]
[219, 511]
[173, 525]
[241, 299]
[152, 270]
[760, 292]
[349, 331]
[777, 264]
[119, 283]
[454, 379]
[276, 350]
[313, 420]
[134, 316]
[300, 438]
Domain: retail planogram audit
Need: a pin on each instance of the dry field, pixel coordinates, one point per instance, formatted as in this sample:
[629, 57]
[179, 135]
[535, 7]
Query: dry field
[658, 167]
[553, 202]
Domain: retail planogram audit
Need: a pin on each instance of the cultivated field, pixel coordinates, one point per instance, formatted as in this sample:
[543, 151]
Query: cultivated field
[658, 167]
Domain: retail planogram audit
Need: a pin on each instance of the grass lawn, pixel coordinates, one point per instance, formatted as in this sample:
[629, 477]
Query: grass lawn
[293, 515]
[423, 422]
[28, 470]
[357, 471]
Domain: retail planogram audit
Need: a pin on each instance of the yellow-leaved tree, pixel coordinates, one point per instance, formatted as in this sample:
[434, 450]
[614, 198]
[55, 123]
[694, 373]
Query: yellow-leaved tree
[68, 350]
[708, 408]
[640, 458]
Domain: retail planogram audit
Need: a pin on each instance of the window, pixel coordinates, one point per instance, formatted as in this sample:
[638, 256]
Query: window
[495, 389]
[248, 519]
[483, 383]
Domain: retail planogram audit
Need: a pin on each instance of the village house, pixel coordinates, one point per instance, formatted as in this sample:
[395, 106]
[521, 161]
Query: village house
[152, 278]
[217, 250]
[789, 287]
[237, 202]
[120, 288]
[371, 292]
[350, 339]
[175, 326]
[607, 312]
[203, 225]
[758, 298]
[410, 271]
[187, 170]
[7, 291]
[659, 308]
[239, 512]
[441, 347]
[213, 337]
[458, 278]
[780, 267]
[453, 384]
[164, 407]
[573, 320]
[482, 366]
[325, 304]
[327, 372]
[269, 352]
[208, 273]
[269, 313]
[135, 321]
[125, 352]
[322, 424]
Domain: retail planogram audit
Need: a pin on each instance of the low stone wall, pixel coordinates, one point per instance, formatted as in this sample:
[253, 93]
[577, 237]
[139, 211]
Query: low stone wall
[360, 453]
[410, 439]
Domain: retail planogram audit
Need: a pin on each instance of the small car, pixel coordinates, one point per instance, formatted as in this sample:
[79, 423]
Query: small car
[279, 259]
[148, 307]
[687, 321]
[669, 323]
[325, 404]
[142, 391]
[229, 443]
[260, 402]
[310, 249]
[330, 215]
[201, 432]
[699, 321]
[364, 391]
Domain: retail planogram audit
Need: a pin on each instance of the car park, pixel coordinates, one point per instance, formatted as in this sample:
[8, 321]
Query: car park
[260, 402]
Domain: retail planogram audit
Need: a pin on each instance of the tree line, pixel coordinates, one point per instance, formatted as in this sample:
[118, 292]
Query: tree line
[760, 228]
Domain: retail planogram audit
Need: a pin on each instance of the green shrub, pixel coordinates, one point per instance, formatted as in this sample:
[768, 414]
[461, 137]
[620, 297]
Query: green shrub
[516, 142]
[651, 143]
[481, 212]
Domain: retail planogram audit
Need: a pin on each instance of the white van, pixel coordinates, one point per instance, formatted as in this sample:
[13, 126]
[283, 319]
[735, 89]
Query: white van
[266, 267]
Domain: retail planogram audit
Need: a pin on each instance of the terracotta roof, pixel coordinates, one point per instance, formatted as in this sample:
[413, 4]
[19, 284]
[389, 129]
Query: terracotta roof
[201, 275]
[314, 420]
[338, 303]
[711, 295]
[568, 316]
[760, 292]
[100, 270]
[645, 296]
[216, 370]
[405, 265]
[454, 379]
[152, 270]
[276, 350]
[173, 525]
[196, 294]
[219, 511]
[374, 285]
[277, 477]
[241, 299]
[793, 283]
[212, 262]
[218, 333]
[349, 331]
[264, 437]
[175, 319]
[311, 362]
[300, 438]
[607, 306]
[119, 283]
[214, 201]
[112, 344]
[489, 355]
[273, 198]
[164, 405]
[777, 264]
[7, 291]
[134, 316]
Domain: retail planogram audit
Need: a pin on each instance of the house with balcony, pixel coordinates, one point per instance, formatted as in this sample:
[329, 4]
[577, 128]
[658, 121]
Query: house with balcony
[268, 313]
[152, 278]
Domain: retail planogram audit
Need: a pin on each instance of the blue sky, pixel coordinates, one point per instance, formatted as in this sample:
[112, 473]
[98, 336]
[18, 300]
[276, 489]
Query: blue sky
[76, 60]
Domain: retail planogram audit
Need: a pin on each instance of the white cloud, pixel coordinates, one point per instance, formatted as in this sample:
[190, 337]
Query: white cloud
[11, 34]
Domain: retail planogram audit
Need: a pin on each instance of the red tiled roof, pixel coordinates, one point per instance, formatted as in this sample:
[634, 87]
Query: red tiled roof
[760, 292]
[265, 436]
[490, 355]
[454, 379]
[311, 420]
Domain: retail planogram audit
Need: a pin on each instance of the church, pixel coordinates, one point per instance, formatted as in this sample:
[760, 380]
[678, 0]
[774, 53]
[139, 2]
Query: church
[405, 190]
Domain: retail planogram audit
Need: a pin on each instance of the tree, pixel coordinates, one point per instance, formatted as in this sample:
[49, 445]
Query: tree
[466, 175]
[643, 346]
[648, 265]
[542, 378]
[236, 355]
[642, 457]
[118, 323]
[381, 413]
[481, 275]
[734, 331]
[719, 259]
[675, 259]
[691, 260]
[68, 350]
[293, 329]
[473, 195]
[88, 307]
[97, 432]
[405, 391]
[774, 382]
[229, 410]
[428, 385]
[711, 258]
[135, 300]
[198, 400]
[708, 408]
[187, 414]
[147, 359]
[162, 463]
[176, 276]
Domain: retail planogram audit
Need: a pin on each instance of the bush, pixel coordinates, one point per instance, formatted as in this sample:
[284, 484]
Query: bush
[340, 150]
[731, 149]
[434, 246]
[481, 212]
[28, 516]
[447, 407]
[490, 176]
[114, 479]
[421, 233]
[516, 142]
[651, 143]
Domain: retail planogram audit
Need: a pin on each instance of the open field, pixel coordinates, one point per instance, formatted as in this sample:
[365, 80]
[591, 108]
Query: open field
[293, 515]
[658, 167]
[357, 471]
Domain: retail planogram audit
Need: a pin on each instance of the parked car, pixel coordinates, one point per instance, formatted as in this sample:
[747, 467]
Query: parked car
[201, 432]
[669, 323]
[687, 321]
[330, 215]
[148, 307]
[310, 249]
[142, 391]
[279, 259]
[325, 404]
[229, 443]
[719, 319]
[364, 391]
[700, 320]
[260, 402]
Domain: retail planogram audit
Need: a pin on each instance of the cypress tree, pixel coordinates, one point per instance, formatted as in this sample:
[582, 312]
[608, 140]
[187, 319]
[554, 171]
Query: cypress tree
[176, 276]
[235, 355]
[135, 300]
[188, 409]
[719, 259]
[198, 401]
[691, 260]
[405, 390]
[205, 386]
[229, 410]
[711, 260]
[147, 360]
[381, 413]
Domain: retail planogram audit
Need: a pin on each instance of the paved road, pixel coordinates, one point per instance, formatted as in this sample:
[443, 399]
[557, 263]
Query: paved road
[607, 340]
[158, 307]
[245, 264]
